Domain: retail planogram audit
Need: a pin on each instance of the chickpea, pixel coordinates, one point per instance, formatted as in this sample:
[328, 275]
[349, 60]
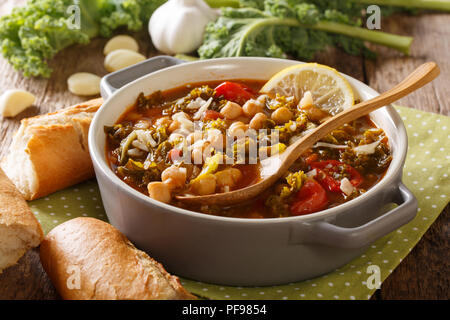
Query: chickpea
[201, 152]
[315, 114]
[174, 177]
[282, 115]
[176, 136]
[262, 99]
[252, 107]
[180, 115]
[197, 155]
[237, 129]
[236, 174]
[207, 150]
[143, 124]
[174, 126]
[257, 121]
[204, 185]
[228, 177]
[252, 145]
[236, 124]
[159, 191]
[231, 110]
[215, 137]
[194, 137]
[164, 121]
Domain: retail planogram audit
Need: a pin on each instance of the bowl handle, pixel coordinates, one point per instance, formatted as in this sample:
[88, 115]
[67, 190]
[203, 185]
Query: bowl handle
[331, 235]
[118, 79]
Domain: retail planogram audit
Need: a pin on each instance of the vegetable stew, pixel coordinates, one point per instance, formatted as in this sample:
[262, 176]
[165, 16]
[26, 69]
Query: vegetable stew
[209, 137]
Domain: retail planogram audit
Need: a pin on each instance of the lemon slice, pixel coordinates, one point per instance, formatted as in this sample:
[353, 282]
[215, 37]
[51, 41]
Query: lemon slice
[330, 91]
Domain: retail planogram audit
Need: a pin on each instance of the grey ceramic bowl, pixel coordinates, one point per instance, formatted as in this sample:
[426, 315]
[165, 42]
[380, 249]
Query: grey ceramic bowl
[234, 251]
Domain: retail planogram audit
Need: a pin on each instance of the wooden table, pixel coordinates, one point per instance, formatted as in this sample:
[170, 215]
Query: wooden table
[423, 274]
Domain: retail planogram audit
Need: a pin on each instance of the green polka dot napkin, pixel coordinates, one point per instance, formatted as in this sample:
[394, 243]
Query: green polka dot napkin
[426, 174]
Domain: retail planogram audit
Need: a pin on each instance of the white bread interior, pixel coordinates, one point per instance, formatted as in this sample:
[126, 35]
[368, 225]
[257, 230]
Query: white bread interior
[30, 176]
[17, 164]
[19, 228]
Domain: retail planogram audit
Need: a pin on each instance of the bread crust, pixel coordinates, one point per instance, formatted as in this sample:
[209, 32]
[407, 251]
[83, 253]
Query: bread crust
[55, 148]
[61, 167]
[107, 263]
[16, 215]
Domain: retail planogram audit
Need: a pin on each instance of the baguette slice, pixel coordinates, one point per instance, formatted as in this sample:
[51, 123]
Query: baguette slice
[87, 258]
[19, 229]
[50, 152]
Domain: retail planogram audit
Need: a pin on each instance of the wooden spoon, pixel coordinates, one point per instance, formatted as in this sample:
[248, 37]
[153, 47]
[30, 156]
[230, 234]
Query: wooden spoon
[279, 164]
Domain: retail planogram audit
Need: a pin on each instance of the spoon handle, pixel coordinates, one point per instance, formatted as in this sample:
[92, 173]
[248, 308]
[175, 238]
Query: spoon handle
[417, 79]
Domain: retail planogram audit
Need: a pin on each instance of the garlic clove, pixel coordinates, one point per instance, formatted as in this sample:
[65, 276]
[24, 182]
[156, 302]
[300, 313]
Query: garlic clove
[84, 84]
[122, 58]
[121, 42]
[13, 102]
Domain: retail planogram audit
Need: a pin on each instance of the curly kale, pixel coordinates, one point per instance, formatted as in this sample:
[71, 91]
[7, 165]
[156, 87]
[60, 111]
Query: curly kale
[278, 28]
[243, 32]
[35, 33]
[277, 203]
[295, 181]
[291, 27]
[31, 35]
[353, 8]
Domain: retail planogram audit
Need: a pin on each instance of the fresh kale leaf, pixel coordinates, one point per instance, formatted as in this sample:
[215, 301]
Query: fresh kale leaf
[31, 35]
[291, 27]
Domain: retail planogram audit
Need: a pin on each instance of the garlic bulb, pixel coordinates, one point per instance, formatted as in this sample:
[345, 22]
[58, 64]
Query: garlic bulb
[178, 25]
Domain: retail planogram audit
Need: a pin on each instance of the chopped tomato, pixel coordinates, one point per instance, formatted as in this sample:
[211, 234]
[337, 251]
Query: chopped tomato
[325, 164]
[329, 182]
[212, 115]
[175, 154]
[327, 170]
[234, 92]
[310, 198]
[312, 158]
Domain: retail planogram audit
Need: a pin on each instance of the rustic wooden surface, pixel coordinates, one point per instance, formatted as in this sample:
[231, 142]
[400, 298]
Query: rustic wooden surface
[423, 274]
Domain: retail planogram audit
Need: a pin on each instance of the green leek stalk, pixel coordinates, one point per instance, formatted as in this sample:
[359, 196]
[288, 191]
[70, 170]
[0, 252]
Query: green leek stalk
[443, 5]
[400, 43]
[223, 3]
